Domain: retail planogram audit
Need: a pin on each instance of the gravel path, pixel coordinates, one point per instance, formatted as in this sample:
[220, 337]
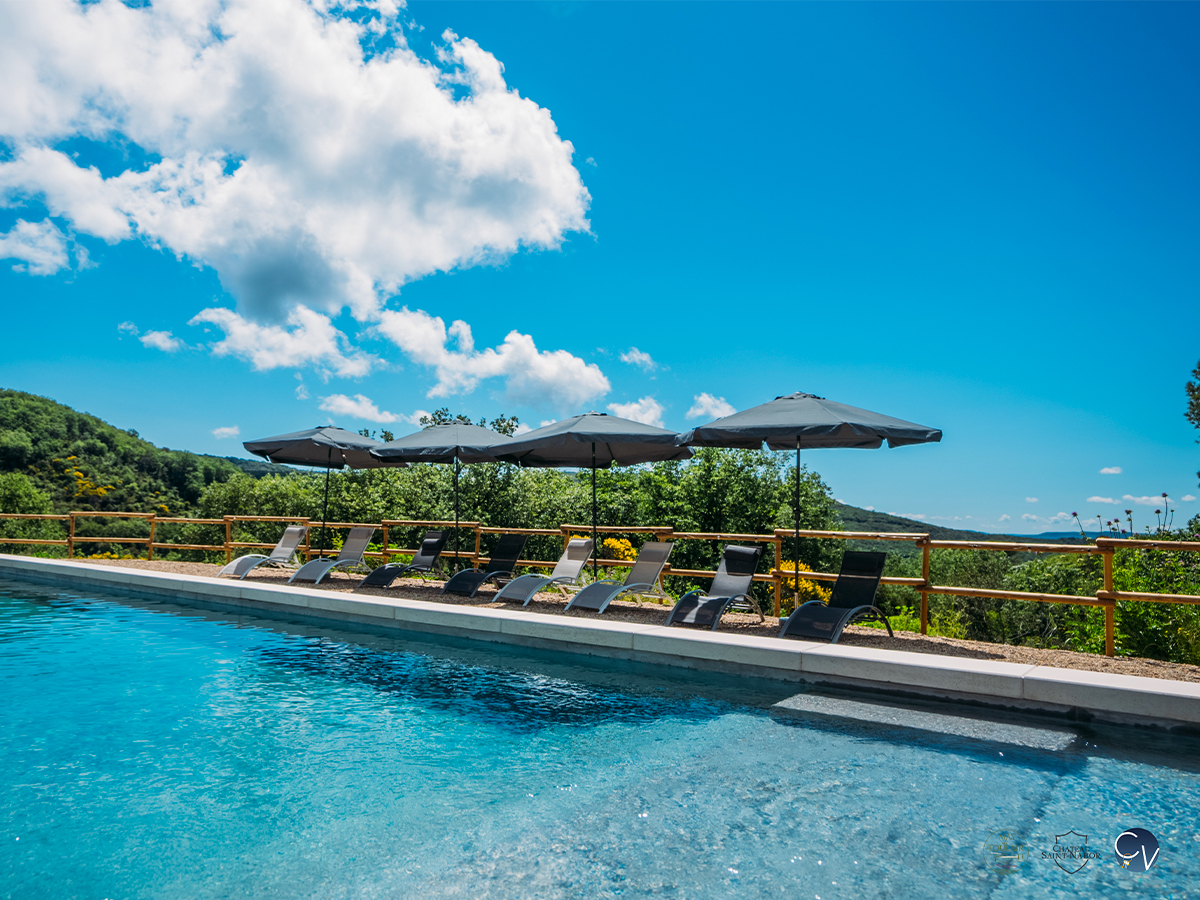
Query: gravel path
[654, 614]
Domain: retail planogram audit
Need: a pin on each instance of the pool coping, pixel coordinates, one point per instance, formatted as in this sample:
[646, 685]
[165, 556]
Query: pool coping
[1079, 695]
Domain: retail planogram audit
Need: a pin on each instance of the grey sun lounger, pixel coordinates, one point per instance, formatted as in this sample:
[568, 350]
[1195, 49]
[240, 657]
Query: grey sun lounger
[570, 565]
[423, 561]
[730, 586]
[642, 579]
[351, 557]
[500, 566]
[283, 556]
[852, 600]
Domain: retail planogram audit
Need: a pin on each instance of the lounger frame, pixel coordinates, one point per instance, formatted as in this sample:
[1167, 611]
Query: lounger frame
[852, 600]
[500, 567]
[570, 566]
[642, 579]
[423, 560]
[350, 557]
[282, 557]
[730, 586]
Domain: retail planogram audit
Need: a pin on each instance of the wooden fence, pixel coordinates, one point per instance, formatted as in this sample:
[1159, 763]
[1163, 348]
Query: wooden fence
[1106, 597]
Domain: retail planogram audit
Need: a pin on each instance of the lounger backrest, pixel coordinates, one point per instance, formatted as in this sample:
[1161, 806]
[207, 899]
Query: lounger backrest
[356, 544]
[507, 552]
[288, 544]
[858, 580]
[651, 559]
[431, 548]
[574, 558]
[736, 571]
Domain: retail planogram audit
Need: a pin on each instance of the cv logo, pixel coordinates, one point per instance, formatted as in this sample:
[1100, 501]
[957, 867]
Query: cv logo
[1137, 849]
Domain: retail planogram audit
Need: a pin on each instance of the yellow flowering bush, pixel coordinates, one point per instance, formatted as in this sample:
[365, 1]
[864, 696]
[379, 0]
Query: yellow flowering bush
[618, 548]
[803, 589]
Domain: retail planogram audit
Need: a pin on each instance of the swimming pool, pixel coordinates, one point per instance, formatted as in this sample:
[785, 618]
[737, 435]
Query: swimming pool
[150, 750]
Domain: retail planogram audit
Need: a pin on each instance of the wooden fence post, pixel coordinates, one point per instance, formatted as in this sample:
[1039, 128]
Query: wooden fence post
[386, 555]
[71, 539]
[1110, 608]
[925, 578]
[228, 539]
[478, 541]
[150, 543]
[778, 575]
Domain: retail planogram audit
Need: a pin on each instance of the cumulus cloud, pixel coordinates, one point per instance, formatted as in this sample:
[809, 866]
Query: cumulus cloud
[358, 407]
[1057, 519]
[311, 339]
[275, 145]
[228, 432]
[1111, 470]
[1031, 499]
[1188, 498]
[635, 357]
[648, 411]
[301, 388]
[1158, 500]
[706, 406]
[161, 340]
[40, 246]
[553, 378]
[1005, 517]
[1101, 500]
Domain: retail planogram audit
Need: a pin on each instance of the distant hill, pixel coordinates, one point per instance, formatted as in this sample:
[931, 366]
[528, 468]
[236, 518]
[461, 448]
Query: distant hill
[856, 519]
[82, 462]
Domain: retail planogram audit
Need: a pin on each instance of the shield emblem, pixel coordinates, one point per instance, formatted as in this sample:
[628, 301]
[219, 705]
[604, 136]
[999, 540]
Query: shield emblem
[1064, 858]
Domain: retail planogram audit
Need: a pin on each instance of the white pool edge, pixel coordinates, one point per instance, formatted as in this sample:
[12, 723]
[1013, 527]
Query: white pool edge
[1070, 692]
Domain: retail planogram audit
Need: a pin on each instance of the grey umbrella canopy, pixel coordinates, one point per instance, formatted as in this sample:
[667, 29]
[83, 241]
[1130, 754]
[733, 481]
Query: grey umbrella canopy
[325, 446]
[453, 443]
[805, 421]
[597, 441]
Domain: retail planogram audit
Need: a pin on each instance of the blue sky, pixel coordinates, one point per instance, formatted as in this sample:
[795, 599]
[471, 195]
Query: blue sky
[980, 217]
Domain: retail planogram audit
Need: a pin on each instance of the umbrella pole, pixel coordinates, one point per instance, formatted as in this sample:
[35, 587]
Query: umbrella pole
[595, 543]
[797, 569]
[325, 505]
[457, 540]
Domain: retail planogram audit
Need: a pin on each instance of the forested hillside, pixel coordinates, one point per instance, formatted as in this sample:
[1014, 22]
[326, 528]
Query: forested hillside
[81, 462]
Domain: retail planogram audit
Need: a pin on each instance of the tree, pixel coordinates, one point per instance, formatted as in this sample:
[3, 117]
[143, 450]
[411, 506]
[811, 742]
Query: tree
[502, 423]
[1193, 407]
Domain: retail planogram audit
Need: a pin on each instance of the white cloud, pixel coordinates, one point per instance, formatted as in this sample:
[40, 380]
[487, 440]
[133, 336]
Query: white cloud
[231, 431]
[1111, 470]
[706, 405]
[161, 340]
[1031, 499]
[304, 169]
[1005, 517]
[1101, 500]
[1188, 498]
[358, 407]
[534, 377]
[635, 357]
[301, 388]
[40, 246]
[312, 340]
[648, 411]
[522, 428]
[128, 328]
[1057, 519]
[869, 508]
[1158, 500]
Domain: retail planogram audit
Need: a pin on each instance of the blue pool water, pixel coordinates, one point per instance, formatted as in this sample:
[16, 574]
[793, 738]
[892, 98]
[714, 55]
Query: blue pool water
[149, 750]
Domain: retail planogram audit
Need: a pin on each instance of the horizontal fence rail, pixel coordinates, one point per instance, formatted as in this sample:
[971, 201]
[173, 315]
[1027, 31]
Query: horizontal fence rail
[472, 534]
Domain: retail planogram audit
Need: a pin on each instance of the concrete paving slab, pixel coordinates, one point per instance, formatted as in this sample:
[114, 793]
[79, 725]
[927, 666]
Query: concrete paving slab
[745, 650]
[1130, 695]
[918, 670]
[618, 635]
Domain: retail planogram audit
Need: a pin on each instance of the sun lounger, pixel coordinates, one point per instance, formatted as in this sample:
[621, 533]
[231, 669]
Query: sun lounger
[283, 556]
[500, 566]
[852, 600]
[570, 566]
[730, 585]
[423, 561]
[642, 579]
[351, 557]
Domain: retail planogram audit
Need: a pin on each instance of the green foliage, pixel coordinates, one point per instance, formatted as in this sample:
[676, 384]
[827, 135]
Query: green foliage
[502, 423]
[81, 462]
[19, 495]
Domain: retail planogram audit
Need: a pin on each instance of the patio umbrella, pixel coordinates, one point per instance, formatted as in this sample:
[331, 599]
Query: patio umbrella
[455, 442]
[806, 420]
[594, 440]
[325, 446]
